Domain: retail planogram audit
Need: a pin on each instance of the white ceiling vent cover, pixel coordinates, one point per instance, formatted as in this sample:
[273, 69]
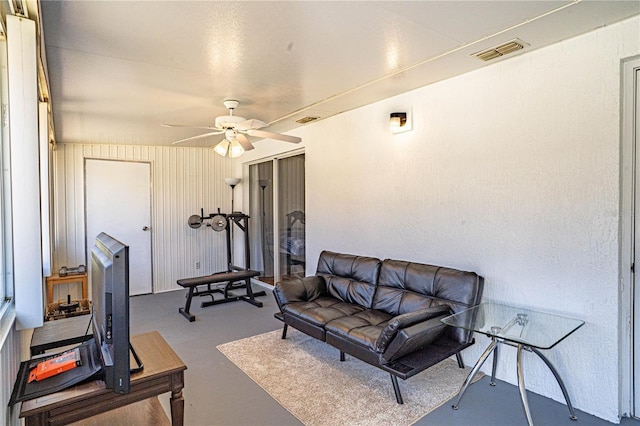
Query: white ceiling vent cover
[501, 50]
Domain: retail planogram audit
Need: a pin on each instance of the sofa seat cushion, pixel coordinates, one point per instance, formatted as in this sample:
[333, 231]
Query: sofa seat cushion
[322, 310]
[363, 327]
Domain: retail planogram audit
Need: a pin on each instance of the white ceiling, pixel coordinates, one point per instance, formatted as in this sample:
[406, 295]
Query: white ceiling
[119, 69]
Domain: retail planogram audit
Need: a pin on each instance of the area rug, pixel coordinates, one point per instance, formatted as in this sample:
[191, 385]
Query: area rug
[307, 378]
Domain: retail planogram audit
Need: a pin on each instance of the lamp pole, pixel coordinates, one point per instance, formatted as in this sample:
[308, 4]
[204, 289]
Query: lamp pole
[263, 184]
[232, 182]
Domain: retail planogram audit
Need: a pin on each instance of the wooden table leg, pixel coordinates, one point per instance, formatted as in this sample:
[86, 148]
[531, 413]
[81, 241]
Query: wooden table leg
[39, 419]
[177, 400]
[49, 291]
[177, 408]
[85, 292]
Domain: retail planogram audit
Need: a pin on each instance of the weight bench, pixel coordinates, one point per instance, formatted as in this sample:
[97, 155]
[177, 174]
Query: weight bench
[231, 278]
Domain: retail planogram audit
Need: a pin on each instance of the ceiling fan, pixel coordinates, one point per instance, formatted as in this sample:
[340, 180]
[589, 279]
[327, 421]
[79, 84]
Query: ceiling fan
[235, 129]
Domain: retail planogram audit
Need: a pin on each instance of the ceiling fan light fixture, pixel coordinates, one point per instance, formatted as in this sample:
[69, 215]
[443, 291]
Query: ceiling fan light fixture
[234, 129]
[222, 147]
[235, 150]
[230, 135]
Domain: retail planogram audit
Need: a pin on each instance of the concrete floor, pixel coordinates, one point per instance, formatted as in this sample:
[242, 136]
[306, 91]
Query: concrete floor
[218, 393]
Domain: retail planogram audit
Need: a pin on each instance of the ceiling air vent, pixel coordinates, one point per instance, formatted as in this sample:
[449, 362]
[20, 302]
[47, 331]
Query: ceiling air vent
[305, 120]
[501, 50]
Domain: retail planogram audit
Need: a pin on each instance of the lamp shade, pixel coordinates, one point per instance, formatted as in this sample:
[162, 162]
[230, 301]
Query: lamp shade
[232, 181]
[222, 147]
[235, 150]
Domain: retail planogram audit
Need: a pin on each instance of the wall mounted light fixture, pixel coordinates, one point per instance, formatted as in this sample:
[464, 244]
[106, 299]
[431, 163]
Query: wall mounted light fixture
[399, 122]
[398, 119]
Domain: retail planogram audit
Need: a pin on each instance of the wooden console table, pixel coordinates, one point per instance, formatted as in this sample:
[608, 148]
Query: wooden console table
[163, 372]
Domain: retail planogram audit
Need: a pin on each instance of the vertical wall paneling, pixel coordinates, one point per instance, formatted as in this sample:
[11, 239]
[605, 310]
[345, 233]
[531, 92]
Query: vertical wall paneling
[10, 342]
[183, 180]
[25, 182]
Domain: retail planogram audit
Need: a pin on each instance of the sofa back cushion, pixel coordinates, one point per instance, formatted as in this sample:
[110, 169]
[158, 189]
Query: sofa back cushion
[406, 286]
[348, 277]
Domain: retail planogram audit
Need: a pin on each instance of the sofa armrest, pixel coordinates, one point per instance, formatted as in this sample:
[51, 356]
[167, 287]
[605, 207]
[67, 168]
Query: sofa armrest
[299, 290]
[414, 338]
[407, 320]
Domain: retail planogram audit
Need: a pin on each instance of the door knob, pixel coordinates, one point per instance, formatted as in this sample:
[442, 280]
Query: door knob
[145, 228]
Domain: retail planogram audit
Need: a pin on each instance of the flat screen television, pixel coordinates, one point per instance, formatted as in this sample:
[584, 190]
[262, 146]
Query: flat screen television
[110, 304]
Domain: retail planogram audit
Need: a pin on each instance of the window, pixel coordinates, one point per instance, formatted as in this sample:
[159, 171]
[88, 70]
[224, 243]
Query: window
[5, 284]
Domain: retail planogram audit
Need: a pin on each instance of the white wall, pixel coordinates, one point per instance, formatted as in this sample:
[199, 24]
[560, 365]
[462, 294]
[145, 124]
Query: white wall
[183, 181]
[511, 171]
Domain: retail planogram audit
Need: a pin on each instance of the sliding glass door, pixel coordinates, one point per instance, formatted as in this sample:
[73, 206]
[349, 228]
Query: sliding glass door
[277, 202]
[291, 217]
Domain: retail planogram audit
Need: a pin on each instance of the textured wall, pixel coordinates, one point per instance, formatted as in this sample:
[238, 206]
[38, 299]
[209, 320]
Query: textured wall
[183, 181]
[511, 171]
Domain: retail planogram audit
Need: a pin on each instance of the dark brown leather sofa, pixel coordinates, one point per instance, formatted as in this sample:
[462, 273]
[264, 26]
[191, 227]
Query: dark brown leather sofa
[386, 313]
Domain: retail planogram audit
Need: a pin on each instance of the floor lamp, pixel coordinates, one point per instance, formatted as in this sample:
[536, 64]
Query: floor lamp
[232, 182]
[263, 184]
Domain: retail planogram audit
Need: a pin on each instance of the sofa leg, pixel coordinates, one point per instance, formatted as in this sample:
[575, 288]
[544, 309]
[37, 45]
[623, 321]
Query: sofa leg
[396, 389]
[284, 331]
[341, 356]
[460, 361]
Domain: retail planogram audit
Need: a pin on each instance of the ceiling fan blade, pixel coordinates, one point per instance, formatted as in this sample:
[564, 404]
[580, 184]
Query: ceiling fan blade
[196, 137]
[251, 124]
[244, 142]
[190, 127]
[277, 136]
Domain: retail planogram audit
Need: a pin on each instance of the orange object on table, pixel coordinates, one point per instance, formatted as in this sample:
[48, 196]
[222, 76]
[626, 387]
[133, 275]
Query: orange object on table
[56, 365]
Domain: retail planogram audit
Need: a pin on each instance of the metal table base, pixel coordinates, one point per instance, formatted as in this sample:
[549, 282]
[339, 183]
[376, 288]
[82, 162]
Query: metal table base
[494, 348]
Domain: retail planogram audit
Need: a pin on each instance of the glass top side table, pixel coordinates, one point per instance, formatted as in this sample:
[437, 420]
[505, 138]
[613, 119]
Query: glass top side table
[522, 328]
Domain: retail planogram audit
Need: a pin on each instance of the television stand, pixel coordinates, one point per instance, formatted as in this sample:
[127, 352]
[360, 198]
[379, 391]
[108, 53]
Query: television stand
[139, 365]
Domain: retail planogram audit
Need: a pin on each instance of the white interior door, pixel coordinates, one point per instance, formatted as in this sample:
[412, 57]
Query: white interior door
[118, 202]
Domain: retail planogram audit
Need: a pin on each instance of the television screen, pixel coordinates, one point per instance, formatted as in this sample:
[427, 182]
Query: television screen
[110, 302]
